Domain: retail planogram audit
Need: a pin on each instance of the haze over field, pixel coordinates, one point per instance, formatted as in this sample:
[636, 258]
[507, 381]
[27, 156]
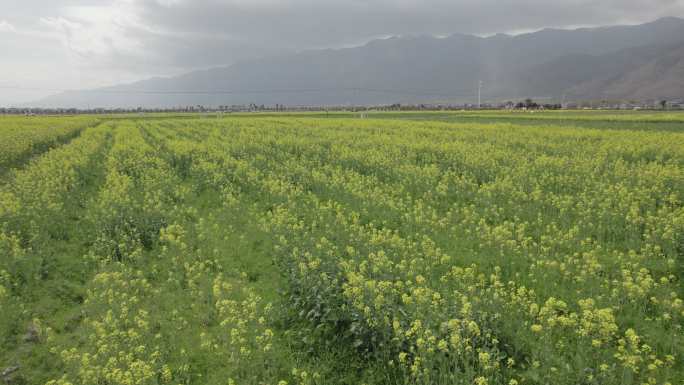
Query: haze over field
[178, 52]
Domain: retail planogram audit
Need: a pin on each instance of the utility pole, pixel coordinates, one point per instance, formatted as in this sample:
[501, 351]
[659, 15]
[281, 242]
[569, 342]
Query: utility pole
[479, 94]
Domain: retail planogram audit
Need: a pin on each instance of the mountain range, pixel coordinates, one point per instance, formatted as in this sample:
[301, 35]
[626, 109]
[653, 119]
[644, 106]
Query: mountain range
[639, 62]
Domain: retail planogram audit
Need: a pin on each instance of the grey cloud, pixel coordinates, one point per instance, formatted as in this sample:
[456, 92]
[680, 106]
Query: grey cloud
[136, 38]
[326, 23]
[219, 32]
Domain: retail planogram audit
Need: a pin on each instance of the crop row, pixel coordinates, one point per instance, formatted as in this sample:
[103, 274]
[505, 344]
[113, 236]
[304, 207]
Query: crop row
[438, 267]
[438, 253]
[24, 137]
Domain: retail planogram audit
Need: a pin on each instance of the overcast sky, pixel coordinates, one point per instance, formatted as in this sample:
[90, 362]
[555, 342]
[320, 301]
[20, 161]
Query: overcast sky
[50, 45]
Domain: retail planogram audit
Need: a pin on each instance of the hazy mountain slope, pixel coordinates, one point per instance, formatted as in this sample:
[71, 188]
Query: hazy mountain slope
[660, 77]
[590, 63]
[590, 76]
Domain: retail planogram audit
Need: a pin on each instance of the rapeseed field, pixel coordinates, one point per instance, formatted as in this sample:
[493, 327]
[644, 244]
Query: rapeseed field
[309, 250]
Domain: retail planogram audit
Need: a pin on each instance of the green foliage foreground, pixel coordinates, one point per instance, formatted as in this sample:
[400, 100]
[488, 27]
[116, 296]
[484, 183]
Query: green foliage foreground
[285, 250]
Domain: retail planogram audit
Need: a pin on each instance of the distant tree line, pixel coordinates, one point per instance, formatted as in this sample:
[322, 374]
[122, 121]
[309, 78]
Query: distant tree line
[527, 104]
